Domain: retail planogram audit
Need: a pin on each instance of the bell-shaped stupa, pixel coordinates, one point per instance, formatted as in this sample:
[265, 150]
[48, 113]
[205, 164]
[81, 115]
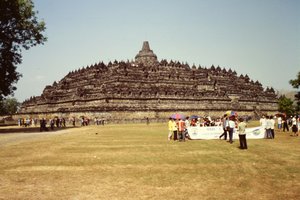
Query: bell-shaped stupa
[146, 55]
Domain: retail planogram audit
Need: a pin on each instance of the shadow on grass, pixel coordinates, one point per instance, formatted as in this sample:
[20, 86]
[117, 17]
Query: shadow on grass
[30, 130]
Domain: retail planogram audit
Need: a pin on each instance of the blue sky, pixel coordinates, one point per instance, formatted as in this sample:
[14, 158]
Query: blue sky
[260, 38]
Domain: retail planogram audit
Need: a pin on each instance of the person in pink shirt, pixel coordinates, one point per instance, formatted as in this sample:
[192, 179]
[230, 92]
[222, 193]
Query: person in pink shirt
[181, 129]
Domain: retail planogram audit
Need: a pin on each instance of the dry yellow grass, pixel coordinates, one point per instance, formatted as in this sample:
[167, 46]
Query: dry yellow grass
[136, 161]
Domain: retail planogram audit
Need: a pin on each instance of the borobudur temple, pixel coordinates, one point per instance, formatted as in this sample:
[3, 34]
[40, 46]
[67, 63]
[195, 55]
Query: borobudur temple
[148, 88]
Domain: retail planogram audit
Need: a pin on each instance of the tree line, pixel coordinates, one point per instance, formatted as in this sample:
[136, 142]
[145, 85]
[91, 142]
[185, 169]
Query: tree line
[9, 106]
[287, 105]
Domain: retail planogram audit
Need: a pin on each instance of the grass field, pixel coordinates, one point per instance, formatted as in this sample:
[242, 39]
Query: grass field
[135, 161]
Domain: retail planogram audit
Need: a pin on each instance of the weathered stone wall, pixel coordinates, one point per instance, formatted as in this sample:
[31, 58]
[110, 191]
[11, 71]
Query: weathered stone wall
[117, 110]
[172, 105]
[133, 117]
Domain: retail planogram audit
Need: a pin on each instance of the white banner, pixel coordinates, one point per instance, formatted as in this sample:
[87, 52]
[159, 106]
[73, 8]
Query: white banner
[213, 132]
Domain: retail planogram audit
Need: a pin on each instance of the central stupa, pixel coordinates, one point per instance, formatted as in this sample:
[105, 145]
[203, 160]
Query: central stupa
[146, 55]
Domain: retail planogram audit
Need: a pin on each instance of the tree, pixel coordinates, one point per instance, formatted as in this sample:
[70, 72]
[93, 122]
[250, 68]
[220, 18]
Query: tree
[19, 29]
[285, 105]
[2, 109]
[296, 84]
[9, 106]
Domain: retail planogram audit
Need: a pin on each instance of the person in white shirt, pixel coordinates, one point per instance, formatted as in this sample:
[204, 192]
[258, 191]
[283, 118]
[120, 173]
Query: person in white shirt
[198, 122]
[279, 122]
[231, 124]
[272, 120]
[263, 123]
[268, 128]
[225, 125]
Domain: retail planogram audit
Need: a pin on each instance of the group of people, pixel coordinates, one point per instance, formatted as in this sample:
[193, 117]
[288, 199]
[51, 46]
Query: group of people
[205, 121]
[293, 122]
[98, 121]
[26, 122]
[284, 123]
[178, 128]
[56, 122]
[85, 121]
[268, 123]
[229, 123]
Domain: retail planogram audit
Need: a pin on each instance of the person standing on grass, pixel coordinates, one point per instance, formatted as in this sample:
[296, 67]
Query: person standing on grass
[187, 125]
[231, 124]
[285, 124]
[170, 127]
[272, 126]
[73, 121]
[43, 124]
[181, 128]
[242, 134]
[268, 128]
[52, 124]
[279, 122]
[294, 126]
[175, 129]
[225, 127]
[263, 123]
